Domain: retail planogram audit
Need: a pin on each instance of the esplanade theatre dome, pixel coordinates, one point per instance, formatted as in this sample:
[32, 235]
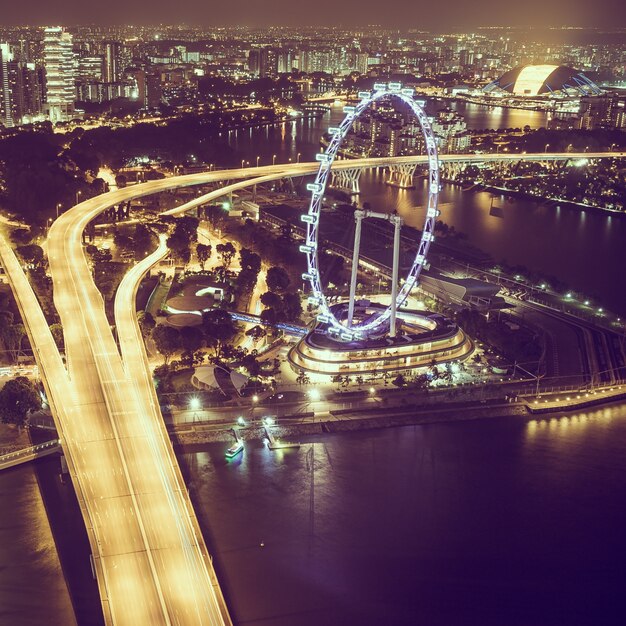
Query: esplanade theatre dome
[543, 80]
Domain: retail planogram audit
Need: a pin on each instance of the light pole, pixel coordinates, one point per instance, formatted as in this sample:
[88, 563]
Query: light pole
[257, 160]
[274, 159]
[78, 195]
[298, 158]
[58, 209]
[195, 405]
[545, 150]
[242, 162]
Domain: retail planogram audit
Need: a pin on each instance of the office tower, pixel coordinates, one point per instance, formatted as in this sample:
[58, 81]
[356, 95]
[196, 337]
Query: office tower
[60, 66]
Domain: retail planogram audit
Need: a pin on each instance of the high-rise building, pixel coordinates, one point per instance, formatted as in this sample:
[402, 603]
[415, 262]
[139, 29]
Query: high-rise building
[268, 66]
[254, 62]
[60, 66]
[111, 68]
[149, 90]
[6, 101]
[20, 89]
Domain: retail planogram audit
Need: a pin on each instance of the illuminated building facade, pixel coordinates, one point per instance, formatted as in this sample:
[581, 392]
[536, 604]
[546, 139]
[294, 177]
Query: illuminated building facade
[60, 65]
[543, 80]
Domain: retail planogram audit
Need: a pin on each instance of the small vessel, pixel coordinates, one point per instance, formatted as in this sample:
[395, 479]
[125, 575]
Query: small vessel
[234, 450]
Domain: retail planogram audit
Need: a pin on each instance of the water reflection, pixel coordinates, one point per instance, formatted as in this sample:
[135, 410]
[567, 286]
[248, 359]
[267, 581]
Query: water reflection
[425, 524]
[32, 586]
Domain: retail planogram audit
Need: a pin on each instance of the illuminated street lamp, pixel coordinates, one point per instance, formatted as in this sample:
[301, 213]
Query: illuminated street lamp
[257, 160]
[78, 195]
[546, 148]
[195, 405]
[314, 394]
[298, 158]
[58, 208]
[274, 159]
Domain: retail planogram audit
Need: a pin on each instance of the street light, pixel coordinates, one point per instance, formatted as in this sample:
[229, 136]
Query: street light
[78, 195]
[194, 403]
[274, 159]
[257, 161]
[298, 158]
[58, 208]
[545, 150]
[314, 394]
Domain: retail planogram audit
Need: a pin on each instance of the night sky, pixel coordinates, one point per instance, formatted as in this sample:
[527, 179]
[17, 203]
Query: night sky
[397, 13]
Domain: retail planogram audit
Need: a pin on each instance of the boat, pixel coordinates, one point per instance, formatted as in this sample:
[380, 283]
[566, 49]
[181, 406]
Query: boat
[234, 450]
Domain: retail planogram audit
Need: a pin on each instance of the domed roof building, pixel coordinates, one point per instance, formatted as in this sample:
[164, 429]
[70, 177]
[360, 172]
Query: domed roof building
[544, 80]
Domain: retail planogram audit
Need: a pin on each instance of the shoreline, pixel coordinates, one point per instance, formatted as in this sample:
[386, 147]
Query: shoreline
[569, 204]
[350, 420]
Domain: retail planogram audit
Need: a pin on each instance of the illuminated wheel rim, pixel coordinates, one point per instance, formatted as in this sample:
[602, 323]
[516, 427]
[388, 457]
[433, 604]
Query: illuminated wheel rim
[318, 188]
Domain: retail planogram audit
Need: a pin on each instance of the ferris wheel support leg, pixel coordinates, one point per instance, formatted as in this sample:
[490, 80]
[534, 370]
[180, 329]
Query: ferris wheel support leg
[358, 216]
[394, 277]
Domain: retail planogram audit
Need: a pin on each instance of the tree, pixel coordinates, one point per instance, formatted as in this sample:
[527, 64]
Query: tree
[302, 378]
[227, 252]
[399, 381]
[32, 254]
[57, 335]
[250, 261]
[251, 364]
[12, 336]
[146, 323]
[167, 340]
[277, 279]
[218, 329]
[142, 241]
[203, 252]
[292, 307]
[185, 233]
[190, 339]
[272, 300]
[18, 397]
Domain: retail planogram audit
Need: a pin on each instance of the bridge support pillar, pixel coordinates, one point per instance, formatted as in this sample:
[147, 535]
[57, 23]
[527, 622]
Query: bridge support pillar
[401, 175]
[346, 180]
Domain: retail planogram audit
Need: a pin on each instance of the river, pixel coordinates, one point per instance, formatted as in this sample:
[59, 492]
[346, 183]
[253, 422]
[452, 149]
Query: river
[491, 522]
[582, 248]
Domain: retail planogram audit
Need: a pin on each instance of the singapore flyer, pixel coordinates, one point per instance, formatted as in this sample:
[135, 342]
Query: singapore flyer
[349, 330]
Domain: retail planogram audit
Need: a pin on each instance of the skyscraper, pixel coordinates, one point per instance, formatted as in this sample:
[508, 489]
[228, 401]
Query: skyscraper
[6, 103]
[60, 66]
[111, 73]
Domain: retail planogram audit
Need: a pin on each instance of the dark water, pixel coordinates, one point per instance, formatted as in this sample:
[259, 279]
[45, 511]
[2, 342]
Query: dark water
[583, 248]
[32, 587]
[500, 523]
